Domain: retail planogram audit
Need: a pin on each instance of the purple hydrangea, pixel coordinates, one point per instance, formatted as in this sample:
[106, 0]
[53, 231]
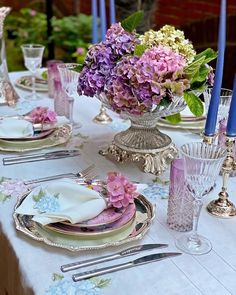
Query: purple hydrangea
[97, 66]
[121, 41]
[138, 84]
[102, 58]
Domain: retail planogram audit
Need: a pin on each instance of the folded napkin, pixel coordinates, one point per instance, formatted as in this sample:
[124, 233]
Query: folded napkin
[61, 120]
[14, 128]
[62, 200]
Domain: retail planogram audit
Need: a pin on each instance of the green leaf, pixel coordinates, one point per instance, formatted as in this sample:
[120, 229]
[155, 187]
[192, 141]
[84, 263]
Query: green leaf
[174, 119]
[198, 86]
[194, 103]
[192, 69]
[78, 68]
[57, 277]
[3, 197]
[37, 197]
[208, 54]
[101, 283]
[131, 22]
[44, 75]
[202, 74]
[158, 180]
[139, 49]
[2, 179]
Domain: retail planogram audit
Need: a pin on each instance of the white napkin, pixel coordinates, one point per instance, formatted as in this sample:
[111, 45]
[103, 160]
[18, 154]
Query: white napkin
[14, 128]
[62, 200]
[61, 120]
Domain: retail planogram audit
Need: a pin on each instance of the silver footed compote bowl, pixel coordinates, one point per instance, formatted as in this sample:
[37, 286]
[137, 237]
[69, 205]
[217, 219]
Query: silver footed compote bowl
[142, 142]
[202, 164]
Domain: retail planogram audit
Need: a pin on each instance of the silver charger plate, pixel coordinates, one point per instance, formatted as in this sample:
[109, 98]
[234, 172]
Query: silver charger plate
[144, 216]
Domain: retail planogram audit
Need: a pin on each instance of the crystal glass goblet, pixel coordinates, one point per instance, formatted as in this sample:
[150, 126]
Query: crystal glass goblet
[33, 55]
[69, 80]
[225, 100]
[202, 164]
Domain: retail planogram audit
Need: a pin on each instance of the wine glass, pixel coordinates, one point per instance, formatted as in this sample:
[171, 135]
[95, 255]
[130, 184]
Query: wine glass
[225, 100]
[69, 80]
[202, 164]
[33, 55]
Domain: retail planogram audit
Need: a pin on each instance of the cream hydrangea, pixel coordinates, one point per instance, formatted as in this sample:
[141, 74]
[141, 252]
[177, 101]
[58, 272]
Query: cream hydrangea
[170, 37]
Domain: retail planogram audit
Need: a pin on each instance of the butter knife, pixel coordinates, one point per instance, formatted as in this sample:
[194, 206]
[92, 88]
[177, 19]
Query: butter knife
[136, 262]
[40, 157]
[127, 252]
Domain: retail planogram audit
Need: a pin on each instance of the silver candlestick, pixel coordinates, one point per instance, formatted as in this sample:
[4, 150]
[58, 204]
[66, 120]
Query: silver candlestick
[222, 207]
[102, 117]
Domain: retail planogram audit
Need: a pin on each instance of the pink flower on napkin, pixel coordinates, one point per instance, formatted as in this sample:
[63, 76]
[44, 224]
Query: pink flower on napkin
[120, 191]
[42, 115]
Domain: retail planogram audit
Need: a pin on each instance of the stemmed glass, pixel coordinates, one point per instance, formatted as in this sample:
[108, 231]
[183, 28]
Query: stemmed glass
[225, 100]
[33, 55]
[202, 164]
[69, 80]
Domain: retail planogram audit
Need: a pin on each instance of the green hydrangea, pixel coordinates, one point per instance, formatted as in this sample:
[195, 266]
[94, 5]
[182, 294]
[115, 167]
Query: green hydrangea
[170, 37]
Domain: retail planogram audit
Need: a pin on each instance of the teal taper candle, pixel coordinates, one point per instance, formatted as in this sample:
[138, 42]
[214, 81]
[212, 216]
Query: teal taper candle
[215, 96]
[231, 125]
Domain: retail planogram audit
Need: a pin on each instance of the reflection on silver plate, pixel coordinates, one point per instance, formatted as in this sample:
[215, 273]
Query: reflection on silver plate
[141, 224]
[59, 136]
[25, 82]
[194, 125]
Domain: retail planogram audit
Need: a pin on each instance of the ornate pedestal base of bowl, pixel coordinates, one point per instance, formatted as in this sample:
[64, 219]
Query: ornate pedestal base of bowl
[148, 147]
[143, 143]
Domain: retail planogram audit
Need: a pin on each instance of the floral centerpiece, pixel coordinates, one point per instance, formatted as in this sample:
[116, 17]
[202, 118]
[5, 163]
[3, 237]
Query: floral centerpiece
[146, 77]
[140, 72]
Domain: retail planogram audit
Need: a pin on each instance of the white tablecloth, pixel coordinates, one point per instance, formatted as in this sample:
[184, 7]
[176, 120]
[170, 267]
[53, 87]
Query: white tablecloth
[35, 263]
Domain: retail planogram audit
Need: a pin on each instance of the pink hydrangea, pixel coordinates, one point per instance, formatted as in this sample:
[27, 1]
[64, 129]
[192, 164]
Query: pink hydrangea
[42, 115]
[138, 84]
[120, 191]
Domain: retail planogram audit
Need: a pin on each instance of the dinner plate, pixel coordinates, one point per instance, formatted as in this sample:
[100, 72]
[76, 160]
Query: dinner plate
[183, 125]
[134, 231]
[100, 231]
[107, 216]
[35, 136]
[59, 136]
[25, 82]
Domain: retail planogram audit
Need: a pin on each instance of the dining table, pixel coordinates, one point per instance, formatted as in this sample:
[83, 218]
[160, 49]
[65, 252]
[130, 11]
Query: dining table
[28, 266]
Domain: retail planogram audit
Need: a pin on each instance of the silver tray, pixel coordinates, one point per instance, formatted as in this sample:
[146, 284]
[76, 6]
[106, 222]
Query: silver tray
[144, 216]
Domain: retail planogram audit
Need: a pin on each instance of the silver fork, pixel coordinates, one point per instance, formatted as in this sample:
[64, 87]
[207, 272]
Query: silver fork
[87, 173]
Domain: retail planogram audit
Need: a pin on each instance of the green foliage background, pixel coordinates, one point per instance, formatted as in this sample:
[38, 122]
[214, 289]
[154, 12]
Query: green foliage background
[30, 26]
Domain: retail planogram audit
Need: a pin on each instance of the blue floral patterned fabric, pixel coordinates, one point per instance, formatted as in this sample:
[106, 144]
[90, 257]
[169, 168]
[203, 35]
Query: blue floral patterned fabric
[65, 286]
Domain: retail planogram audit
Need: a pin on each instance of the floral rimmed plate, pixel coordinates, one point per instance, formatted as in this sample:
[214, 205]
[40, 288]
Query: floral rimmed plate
[25, 82]
[100, 231]
[106, 217]
[59, 136]
[135, 231]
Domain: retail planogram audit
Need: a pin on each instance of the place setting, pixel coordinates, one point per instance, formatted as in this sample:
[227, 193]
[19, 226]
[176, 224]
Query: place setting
[78, 214]
[40, 128]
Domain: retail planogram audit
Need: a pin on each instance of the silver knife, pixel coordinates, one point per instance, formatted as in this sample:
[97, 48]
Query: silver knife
[136, 262]
[39, 157]
[127, 252]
